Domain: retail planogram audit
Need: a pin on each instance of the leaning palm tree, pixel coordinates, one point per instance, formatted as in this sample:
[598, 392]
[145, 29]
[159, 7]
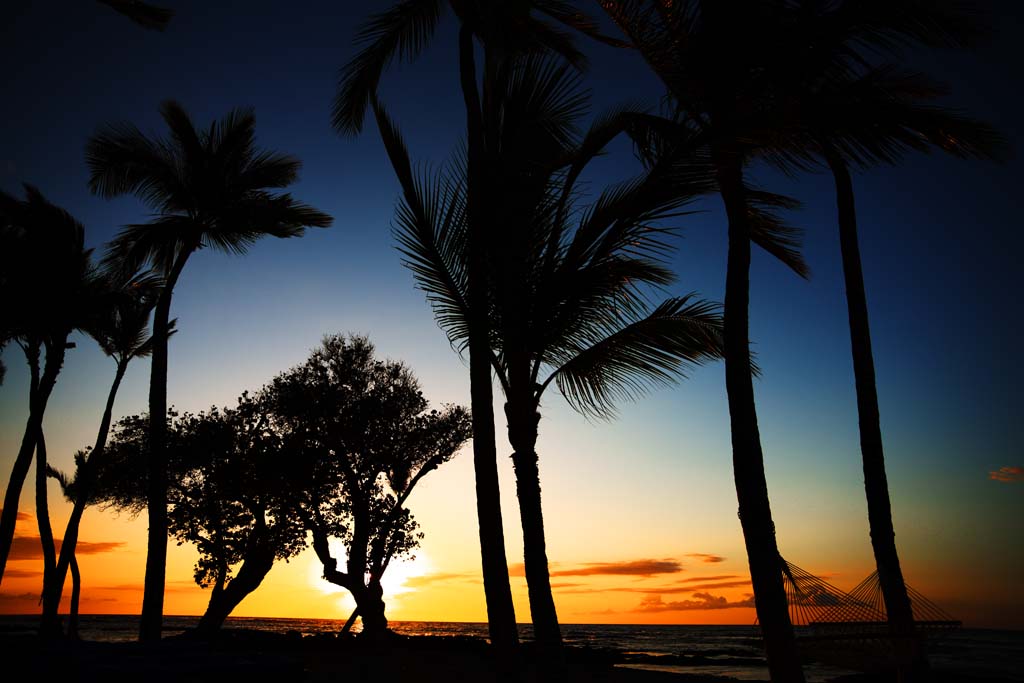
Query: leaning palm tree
[123, 334]
[209, 188]
[874, 118]
[49, 289]
[504, 30]
[567, 290]
[68, 487]
[719, 62]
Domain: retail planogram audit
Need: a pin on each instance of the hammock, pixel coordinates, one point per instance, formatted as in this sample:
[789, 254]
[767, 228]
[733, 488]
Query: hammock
[851, 629]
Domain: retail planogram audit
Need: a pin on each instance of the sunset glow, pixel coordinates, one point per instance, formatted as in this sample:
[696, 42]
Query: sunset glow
[639, 510]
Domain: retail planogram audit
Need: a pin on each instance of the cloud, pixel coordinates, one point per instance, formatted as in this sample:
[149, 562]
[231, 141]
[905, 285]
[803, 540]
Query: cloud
[701, 601]
[169, 587]
[11, 573]
[671, 589]
[629, 568]
[20, 597]
[30, 548]
[440, 577]
[20, 517]
[720, 577]
[705, 557]
[565, 585]
[1008, 474]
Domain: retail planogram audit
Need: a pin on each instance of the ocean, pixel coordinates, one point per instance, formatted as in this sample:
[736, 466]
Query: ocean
[719, 650]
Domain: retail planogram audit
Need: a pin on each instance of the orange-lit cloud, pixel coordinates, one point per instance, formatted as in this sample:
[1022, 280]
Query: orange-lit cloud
[440, 577]
[705, 557]
[630, 568]
[20, 517]
[30, 548]
[658, 590]
[720, 577]
[701, 601]
[11, 573]
[1008, 474]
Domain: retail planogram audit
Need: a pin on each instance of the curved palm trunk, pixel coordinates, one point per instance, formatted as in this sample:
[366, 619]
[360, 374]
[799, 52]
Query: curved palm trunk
[76, 593]
[39, 393]
[748, 459]
[258, 561]
[151, 621]
[501, 618]
[522, 434]
[52, 593]
[876, 487]
[45, 536]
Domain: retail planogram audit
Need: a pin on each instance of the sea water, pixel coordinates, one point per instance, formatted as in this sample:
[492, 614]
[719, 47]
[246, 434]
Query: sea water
[735, 651]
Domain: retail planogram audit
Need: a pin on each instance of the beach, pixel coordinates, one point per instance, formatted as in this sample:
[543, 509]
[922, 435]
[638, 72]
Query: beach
[305, 650]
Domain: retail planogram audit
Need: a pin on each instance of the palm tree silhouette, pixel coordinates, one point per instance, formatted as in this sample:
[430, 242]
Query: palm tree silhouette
[567, 301]
[209, 188]
[68, 486]
[719, 62]
[50, 289]
[122, 332]
[504, 30]
[866, 116]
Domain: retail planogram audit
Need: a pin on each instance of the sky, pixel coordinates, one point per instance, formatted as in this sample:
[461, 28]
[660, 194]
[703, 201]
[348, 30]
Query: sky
[640, 512]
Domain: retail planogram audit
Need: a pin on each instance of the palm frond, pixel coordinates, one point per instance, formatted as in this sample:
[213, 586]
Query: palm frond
[144, 14]
[568, 14]
[772, 233]
[122, 160]
[657, 349]
[400, 32]
[158, 243]
[431, 233]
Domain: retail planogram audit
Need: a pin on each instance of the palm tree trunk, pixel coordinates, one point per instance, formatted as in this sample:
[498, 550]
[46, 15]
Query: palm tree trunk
[883, 537]
[45, 537]
[39, 394]
[76, 593]
[747, 457]
[501, 618]
[522, 433]
[151, 621]
[86, 478]
[258, 561]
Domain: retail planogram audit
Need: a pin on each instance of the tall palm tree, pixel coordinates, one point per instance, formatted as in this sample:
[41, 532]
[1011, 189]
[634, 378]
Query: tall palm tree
[567, 300]
[49, 290]
[875, 117]
[504, 30]
[742, 74]
[719, 62]
[209, 188]
[123, 334]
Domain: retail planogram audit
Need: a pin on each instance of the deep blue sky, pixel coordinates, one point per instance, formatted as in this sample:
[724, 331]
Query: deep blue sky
[941, 244]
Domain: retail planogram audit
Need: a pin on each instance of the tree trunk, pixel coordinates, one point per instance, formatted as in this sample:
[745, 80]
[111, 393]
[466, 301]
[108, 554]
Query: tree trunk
[748, 459]
[85, 482]
[39, 394]
[46, 539]
[911, 657]
[522, 433]
[501, 617]
[76, 593]
[370, 601]
[151, 621]
[255, 566]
